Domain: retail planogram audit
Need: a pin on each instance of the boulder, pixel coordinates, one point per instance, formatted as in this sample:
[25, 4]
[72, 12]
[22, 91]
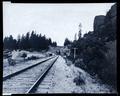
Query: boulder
[98, 22]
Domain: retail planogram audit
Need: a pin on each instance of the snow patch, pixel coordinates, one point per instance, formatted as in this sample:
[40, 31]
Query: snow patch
[62, 76]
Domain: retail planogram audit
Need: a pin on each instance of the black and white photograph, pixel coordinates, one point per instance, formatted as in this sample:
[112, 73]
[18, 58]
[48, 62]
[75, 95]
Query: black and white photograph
[59, 48]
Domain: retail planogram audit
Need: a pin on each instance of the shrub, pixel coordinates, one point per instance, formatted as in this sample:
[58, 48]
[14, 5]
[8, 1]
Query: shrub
[32, 58]
[24, 55]
[79, 63]
[79, 80]
[108, 72]
[11, 61]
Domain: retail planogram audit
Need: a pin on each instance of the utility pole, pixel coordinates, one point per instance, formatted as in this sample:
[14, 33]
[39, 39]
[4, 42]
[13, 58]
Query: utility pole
[75, 52]
[75, 38]
[69, 52]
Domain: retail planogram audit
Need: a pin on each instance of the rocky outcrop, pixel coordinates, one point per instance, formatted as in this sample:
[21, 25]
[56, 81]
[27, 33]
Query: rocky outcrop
[98, 22]
[112, 13]
[105, 26]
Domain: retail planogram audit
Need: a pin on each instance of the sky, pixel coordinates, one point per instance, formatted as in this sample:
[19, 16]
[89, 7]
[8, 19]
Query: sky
[55, 21]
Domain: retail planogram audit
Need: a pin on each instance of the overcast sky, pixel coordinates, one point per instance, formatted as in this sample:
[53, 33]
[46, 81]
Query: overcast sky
[56, 21]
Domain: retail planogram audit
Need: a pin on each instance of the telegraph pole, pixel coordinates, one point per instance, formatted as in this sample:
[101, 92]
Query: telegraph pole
[68, 52]
[75, 52]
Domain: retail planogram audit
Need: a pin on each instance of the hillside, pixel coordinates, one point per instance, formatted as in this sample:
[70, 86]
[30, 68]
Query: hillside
[96, 50]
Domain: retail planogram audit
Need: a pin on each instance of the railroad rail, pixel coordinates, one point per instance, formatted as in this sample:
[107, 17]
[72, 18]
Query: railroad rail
[34, 85]
[25, 69]
[39, 80]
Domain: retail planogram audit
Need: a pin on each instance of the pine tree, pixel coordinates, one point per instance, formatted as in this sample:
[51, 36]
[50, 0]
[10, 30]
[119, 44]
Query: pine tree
[67, 42]
[80, 30]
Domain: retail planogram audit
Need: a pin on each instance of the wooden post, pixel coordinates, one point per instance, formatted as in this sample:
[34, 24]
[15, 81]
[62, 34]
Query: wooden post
[74, 52]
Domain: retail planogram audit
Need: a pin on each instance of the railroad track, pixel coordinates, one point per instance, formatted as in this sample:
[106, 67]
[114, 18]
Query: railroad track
[39, 80]
[24, 69]
[27, 81]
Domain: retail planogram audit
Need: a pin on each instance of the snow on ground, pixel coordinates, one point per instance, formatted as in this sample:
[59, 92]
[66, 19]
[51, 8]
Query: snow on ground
[61, 78]
[16, 56]
[61, 75]
[21, 65]
[5, 63]
[22, 82]
[92, 85]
